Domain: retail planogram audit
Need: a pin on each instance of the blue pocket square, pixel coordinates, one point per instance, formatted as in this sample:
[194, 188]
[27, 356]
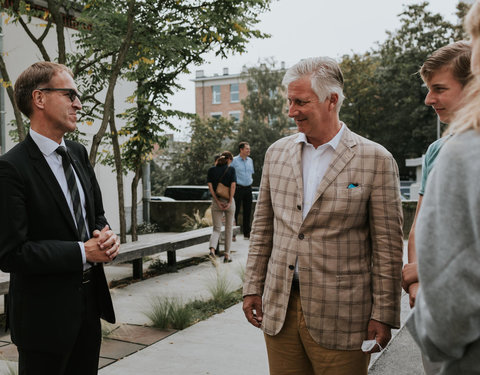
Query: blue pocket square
[351, 186]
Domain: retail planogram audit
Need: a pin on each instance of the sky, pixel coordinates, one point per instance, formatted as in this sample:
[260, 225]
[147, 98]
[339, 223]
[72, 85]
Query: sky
[307, 28]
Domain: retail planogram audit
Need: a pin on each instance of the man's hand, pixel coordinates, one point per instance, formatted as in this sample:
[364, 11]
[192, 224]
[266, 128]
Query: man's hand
[103, 246]
[252, 308]
[409, 275]
[380, 332]
[412, 293]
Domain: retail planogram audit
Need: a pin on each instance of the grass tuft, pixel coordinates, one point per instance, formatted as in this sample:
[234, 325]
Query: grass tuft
[169, 312]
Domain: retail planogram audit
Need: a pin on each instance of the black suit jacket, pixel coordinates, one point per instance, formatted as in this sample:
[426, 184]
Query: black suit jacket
[39, 248]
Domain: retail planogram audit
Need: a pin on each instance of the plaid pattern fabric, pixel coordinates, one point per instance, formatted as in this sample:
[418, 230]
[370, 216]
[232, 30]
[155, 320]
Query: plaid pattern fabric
[349, 246]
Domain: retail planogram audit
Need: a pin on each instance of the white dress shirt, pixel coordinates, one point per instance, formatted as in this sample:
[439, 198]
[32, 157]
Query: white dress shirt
[54, 160]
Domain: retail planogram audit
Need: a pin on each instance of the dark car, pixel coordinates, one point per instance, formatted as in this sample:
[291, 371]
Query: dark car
[188, 193]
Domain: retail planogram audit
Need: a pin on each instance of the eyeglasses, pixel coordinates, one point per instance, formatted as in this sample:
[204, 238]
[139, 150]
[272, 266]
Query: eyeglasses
[72, 93]
[299, 102]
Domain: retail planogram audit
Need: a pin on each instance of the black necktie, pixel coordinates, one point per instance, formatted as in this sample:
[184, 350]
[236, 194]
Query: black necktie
[74, 193]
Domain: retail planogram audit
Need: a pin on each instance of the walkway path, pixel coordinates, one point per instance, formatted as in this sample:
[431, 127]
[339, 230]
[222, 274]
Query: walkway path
[224, 344]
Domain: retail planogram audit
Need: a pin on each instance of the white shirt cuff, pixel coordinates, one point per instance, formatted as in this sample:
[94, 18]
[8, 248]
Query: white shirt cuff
[82, 249]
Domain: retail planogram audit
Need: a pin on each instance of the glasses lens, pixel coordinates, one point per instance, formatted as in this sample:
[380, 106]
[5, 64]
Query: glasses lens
[72, 94]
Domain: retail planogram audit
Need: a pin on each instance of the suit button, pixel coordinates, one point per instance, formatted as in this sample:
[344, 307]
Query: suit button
[291, 267]
[301, 236]
[299, 208]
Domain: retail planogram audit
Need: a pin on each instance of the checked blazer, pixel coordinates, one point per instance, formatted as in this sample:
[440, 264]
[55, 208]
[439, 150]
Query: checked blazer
[349, 246]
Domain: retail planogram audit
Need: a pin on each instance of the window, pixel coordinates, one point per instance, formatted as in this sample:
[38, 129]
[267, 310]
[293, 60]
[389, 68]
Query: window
[234, 93]
[216, 95]
[216, 114]
[235, 116]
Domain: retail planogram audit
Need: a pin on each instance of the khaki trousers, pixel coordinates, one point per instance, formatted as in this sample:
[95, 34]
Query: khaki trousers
[293, 351]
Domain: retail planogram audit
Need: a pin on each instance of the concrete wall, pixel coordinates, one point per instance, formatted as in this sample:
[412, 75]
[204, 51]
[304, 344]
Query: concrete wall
[169, 215]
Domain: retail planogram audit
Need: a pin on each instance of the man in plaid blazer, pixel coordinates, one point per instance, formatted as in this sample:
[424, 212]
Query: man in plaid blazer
[325, 259]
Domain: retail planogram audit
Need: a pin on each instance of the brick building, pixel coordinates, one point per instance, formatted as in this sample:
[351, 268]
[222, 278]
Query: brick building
[220, 95]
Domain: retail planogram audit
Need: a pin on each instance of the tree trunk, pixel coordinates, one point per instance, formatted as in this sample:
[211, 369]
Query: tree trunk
[118, 167]
[97, 138]
[16, 111]
[136, 179]
[38, 41]
[54, 6]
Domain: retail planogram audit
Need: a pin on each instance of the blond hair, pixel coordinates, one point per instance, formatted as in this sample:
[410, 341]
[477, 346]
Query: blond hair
[468, 116]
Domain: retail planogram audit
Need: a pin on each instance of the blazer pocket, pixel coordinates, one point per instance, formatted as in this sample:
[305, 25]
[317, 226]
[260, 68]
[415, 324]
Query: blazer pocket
[355, 302]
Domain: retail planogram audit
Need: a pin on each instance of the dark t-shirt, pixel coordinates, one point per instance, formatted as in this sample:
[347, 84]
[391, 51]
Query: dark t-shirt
[215, 173]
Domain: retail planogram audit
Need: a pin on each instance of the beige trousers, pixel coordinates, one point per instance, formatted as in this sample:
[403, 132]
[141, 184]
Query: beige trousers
[217, 218]
[293, 351]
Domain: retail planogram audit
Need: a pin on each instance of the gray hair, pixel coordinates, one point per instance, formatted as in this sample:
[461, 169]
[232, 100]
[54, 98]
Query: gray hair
[325, 75]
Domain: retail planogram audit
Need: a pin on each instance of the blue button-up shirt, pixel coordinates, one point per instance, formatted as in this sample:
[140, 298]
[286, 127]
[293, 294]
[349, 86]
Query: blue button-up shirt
[243, 169]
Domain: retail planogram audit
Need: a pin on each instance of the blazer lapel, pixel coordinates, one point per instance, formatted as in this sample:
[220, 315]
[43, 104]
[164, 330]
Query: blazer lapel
[296, 163]
[44, 172]
[340, 158]
[86, 186]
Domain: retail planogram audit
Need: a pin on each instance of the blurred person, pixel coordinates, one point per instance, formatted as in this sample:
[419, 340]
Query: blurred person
[243, 165]
[446, 73]
[222, 173]
[54, 237]
[446, 319]
[324, 265]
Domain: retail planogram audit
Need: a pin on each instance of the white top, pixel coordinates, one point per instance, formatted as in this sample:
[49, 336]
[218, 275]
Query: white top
[54, 160]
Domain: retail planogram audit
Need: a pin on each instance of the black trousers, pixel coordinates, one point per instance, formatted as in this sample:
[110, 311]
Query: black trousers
[243, 197]
[82, 359]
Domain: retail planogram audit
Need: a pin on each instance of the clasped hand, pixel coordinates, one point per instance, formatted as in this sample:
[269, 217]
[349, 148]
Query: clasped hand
[103, 246]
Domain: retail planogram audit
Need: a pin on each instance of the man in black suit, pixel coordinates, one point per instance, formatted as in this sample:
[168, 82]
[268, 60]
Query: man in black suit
[54, 237]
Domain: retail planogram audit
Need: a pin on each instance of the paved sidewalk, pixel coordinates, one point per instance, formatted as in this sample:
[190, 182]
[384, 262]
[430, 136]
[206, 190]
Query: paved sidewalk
[225, 344]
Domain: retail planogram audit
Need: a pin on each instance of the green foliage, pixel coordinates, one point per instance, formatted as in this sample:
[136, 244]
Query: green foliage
[168, 36]
[221, 288]
[265, 117]
[208, 138]
[169, 312]
[241, 272]
[159, 179]
[385, 94]
[158, 266]
[13, 132]
[146, 228]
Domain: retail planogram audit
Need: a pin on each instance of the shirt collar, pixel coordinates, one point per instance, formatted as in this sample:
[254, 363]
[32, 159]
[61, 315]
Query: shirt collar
[333, 142]
[46, 145]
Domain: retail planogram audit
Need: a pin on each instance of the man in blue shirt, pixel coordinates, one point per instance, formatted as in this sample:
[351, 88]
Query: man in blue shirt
[243, 165]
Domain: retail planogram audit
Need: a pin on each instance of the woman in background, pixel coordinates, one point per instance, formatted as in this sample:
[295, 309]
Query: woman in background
[446, 319]
[222, 172]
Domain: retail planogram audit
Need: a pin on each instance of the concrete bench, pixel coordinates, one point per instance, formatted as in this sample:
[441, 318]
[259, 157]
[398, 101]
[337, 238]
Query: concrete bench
[136, 251]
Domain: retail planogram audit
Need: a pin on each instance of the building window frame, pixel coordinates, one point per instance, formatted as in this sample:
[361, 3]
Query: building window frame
[234, 93]
[216, 114]
[235, 116]
[216, 94]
